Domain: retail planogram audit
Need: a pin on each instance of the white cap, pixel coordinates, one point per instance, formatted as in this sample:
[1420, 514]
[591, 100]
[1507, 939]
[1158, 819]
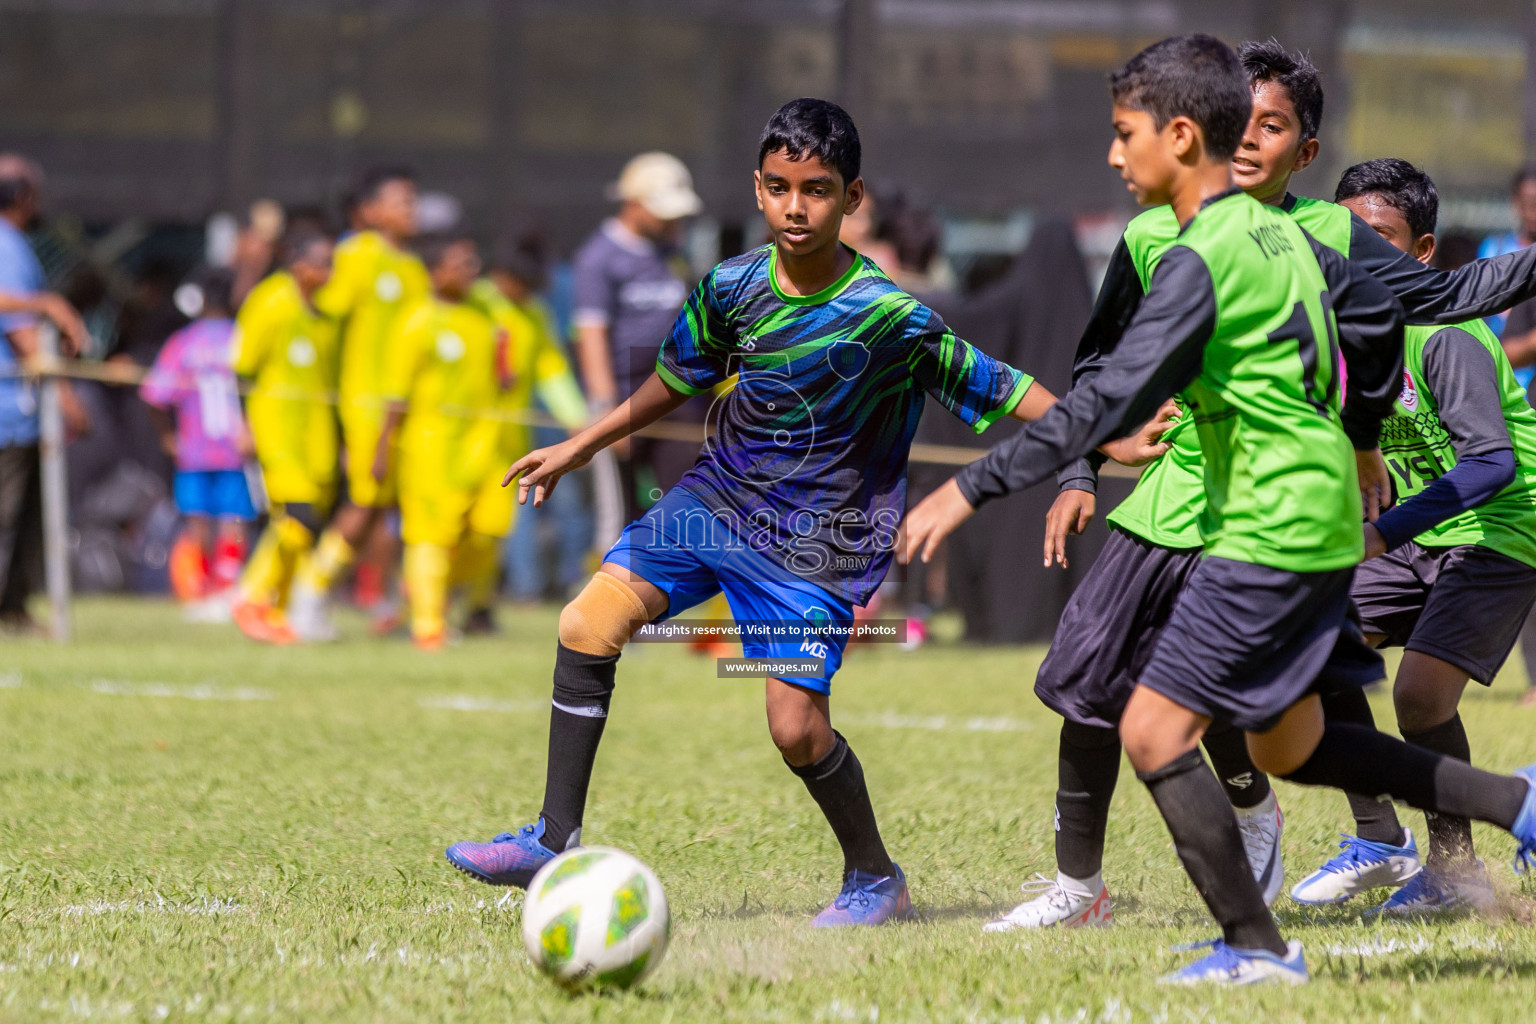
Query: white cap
[661, 183]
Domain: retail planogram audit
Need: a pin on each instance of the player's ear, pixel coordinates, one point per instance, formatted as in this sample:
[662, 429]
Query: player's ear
[853, 197]
[1424, 248]
[1184, 135]
[1305, 155]
[757, 187]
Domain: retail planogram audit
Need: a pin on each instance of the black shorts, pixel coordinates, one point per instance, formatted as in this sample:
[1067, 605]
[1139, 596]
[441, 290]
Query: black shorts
[1110, 627]
[1247, 641]
[1464, 605]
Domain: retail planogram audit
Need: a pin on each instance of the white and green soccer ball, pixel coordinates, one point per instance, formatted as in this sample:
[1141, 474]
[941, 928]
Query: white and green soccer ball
[595, 917]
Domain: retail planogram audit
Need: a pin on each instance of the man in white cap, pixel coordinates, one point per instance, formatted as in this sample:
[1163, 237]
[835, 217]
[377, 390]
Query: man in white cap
[630, 284]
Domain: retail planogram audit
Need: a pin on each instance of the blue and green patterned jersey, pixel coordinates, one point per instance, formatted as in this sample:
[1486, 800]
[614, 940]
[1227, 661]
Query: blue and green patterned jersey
[818, 398]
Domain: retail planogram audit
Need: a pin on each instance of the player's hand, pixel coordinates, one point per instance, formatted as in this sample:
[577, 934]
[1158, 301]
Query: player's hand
[934, 518]
[1146, 444]
[1375, 483]
[1070, 513]
[1375, 543]
[73, 337]
[381, 461]
[541, 469]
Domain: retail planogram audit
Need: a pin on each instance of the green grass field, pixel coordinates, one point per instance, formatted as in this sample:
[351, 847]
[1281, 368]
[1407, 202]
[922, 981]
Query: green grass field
[197, 828]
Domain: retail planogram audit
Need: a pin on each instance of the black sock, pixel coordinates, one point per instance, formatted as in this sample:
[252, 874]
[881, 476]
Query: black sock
[1352, 757]
[1087, 767]
[1227, 747]
[583, 687]
[1208, 842]
[837, 785]
[1450, 836]
[1375, 819]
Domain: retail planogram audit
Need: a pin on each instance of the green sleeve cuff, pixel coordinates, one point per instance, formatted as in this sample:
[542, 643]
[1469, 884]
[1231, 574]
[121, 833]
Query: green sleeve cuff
[675, 382]
[1009, 404]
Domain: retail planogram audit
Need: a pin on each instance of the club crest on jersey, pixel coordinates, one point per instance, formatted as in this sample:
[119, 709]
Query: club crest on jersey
[1409, 399]
[847, 358]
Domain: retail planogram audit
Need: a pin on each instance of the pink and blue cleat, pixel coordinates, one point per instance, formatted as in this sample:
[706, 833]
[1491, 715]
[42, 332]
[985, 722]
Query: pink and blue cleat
[868, 899]
[512, 858]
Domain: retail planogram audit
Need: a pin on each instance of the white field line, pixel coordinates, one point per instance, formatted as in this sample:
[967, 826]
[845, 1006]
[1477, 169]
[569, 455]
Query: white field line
[11, 681]
[1412, 944]
[938, 723]
[202, 691]
[466, 702]
[202, 906]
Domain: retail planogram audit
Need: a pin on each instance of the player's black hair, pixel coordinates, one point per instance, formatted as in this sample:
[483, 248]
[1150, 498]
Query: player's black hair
[368, 183]
[1523, 175]
[15, 190]
[1195, 76]
[520, 257]
[810, 127]
[1269, 62]
[297, 241]
[217, 285]
[432, 247]
[1400, 185]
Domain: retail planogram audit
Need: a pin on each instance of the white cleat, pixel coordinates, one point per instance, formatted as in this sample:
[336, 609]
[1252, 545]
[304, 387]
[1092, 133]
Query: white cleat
[309, 615]
[1360, 866]
[1262, 827]
[1055, 906]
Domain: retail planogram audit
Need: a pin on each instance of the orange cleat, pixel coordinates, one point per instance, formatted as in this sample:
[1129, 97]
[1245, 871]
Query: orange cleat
[261, 623]
[431, 642]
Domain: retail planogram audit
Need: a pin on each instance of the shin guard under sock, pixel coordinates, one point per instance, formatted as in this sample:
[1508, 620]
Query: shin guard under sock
[1087, 767]
[1209, 844]
[583, 689]
[1360, 760]
[836, 783]
[1227, 748]
[1375, 819]
[1450, 836]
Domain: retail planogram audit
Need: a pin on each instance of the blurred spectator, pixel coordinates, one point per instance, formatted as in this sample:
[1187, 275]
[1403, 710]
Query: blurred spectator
[255, 248]
[563, 526]
[1523, 200]
[21, 278]
[630, 285]
[195, 405]
[861, 232]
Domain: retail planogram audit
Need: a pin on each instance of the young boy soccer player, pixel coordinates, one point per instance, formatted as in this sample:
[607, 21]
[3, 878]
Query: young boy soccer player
[444, 374]
[377, 278]
[1130, 592]
[1237, 318]
[791, 507]
[288, 351]
[208, 440]
[1450, 571]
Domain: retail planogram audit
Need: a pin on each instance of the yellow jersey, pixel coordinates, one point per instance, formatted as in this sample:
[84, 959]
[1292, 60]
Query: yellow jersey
[372, 284]
[442, 363]
[533, 363]
[289, 353]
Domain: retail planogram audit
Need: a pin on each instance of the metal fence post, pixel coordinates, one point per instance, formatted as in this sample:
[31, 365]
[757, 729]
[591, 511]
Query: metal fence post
[55, 487]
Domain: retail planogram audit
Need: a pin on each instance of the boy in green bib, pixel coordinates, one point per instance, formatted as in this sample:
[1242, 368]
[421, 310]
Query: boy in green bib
[1450, 571]
[1242, 318]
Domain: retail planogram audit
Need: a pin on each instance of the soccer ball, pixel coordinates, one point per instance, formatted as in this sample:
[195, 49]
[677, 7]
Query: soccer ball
[595, 917]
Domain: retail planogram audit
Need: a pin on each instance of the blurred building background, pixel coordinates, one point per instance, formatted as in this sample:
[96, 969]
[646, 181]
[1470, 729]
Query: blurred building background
[162, 112]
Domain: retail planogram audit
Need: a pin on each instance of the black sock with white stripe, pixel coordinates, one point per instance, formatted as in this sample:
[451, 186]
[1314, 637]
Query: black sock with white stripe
[583, 687]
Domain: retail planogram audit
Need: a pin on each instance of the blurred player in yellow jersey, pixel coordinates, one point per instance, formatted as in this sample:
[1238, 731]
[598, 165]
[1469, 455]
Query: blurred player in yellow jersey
[288, 351]
[376, 279]
[533, 362]
[444, 378]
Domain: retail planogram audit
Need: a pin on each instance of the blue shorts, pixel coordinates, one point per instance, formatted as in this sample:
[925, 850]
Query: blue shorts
[215, 493]
[680, 548]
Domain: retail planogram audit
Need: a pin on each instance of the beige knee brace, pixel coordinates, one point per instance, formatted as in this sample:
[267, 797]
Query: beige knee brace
[601, 619]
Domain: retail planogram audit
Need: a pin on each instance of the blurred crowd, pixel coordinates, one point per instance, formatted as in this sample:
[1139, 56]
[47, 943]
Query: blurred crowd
[304, 405]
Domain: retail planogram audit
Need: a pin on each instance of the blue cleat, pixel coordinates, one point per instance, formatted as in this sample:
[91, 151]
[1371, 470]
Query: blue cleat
[1524, 828]
[1361, 865]
[1432, 893]
[868, 900]
[512, 858]
[1228, 965]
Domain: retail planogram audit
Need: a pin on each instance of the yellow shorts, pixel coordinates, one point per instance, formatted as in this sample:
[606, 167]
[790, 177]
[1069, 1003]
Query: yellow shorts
[360, 432]
[291, 482]
[495, 508]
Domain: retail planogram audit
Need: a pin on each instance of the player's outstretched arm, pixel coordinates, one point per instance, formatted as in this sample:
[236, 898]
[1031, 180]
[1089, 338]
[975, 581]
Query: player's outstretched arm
[1480, 288]
[539, 470]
